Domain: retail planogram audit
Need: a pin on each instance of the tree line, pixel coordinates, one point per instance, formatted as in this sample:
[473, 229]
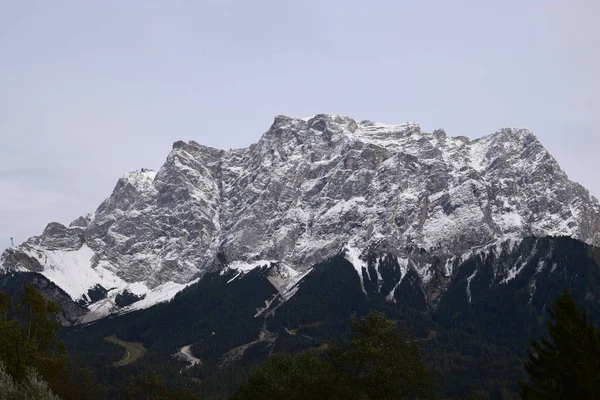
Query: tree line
[377, 360]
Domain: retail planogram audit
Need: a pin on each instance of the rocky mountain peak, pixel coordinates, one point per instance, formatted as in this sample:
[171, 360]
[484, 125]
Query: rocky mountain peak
[308, 188]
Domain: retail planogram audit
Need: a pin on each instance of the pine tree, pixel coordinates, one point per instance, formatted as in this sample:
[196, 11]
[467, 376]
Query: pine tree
[567, 365]
[29, 346]
[380, 362]
[151, 386]
[38, 318]
[30, 340]
[35, 388]
[16, 352]
[377, 362]
[7, 385]
[5, 304]
[32, 387]
[301, 376]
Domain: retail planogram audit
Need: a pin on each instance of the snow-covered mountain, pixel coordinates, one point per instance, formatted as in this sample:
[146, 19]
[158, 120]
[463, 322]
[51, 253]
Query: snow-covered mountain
[309, 189]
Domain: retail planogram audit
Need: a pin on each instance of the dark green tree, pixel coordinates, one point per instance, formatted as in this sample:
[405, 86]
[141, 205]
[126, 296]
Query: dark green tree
[68, 380]
[380, 362]
[295, 377]
[377, 362]
[30, 340]
[149, 385]
[16, 352]
[5, 305]
[38, 318]
[567, 364]
[28, 345]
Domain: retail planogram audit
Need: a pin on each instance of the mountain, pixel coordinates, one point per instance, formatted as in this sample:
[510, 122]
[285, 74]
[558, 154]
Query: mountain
[474, 336]
[309, 190]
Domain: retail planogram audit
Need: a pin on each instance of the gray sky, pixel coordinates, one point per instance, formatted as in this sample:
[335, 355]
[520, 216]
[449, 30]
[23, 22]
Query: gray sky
[92, 89]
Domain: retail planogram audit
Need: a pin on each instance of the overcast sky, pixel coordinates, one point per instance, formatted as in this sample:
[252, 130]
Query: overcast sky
[92, 89]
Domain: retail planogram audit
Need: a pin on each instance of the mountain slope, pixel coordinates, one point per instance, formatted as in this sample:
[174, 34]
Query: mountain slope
[474, 334]
[308, 189]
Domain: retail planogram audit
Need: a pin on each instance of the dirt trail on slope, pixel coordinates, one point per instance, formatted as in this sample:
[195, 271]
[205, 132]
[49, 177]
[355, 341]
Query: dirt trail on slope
[133, 350]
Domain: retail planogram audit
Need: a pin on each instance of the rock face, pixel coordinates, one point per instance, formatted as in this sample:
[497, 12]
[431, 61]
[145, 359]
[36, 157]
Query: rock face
[14, 285]
[308, 189]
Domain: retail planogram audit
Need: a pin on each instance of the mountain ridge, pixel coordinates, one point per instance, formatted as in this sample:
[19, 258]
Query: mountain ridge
[306, 189]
